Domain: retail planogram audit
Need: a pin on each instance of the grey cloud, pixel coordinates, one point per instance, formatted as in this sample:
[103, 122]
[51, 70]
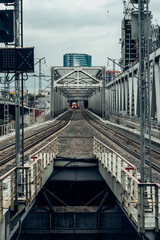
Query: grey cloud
[90, 26]
[58, 17]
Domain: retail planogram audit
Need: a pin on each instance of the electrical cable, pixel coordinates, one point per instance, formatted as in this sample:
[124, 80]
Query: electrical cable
[10, 80]
[26, 77]
[46, 87]
[47, 66]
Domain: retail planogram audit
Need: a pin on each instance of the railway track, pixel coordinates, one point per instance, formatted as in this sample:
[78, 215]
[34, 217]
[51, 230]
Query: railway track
[7, 151]
[112, 135]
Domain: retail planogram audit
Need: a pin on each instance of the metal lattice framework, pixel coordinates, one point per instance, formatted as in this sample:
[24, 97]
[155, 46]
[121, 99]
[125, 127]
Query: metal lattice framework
[77, 83]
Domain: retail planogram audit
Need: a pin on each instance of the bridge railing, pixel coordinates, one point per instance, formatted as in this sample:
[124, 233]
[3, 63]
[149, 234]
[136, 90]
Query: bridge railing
[140, 201]
[22, 184]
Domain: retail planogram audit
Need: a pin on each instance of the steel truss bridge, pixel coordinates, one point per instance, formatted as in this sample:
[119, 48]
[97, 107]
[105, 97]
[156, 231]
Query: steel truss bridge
[123, 93]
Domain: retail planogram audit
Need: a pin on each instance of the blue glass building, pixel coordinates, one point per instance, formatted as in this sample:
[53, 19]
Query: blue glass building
[77, 60]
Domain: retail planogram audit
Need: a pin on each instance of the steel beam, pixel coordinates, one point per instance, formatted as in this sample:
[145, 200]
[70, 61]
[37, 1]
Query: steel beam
[78, 83]
[17, 83]
[48, 201]
[103, 201]
[65, 76]
[103, 92]
[52, 113]
[90, 76]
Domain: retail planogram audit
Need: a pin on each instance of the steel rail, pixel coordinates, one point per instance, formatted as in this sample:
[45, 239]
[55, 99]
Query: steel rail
[8, 146]
[97, 125]
[40, 136]
[126, 138]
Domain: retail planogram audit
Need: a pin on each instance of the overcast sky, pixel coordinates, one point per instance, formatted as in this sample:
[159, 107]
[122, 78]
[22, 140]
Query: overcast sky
[56, 27]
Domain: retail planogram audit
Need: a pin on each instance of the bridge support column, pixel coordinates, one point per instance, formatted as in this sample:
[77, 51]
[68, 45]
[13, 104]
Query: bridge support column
[111, 100]
[157, 87]
[116, 98]
[103, 92]
[52, 103]
[135, 89]
[126, 94]
[119, 96]
[130, 88]
[152, 91]
[122, 95]
[108, 105]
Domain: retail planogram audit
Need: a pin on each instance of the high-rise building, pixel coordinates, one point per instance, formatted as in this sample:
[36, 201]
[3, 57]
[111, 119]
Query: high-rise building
[77, 60]
[128, 45]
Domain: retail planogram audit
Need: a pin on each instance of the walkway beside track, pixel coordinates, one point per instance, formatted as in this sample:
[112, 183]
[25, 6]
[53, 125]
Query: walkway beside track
[20, 186]
[139, 201]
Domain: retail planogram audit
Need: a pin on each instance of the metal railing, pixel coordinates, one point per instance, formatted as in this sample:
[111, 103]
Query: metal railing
[135, 196]
[155, 130]
[22, 184]
[10, 127]
[134, 122]
[7, 128]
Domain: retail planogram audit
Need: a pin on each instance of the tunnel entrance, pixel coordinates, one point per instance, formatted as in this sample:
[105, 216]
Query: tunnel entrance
[86, 103]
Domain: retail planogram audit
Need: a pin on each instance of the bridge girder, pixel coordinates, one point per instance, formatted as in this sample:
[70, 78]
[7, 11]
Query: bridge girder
[80, 82]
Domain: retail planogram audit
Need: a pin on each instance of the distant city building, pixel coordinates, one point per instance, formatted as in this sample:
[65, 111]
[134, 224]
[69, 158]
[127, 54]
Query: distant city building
[77, 60]
[129, 49]
[130, 34]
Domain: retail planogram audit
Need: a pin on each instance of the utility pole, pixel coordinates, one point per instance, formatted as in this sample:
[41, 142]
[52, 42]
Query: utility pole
[17, 84]
[114, 89]
[6, 104]
[149, 87]
[22, 87]
[40, 78]
[142, 85]
[40, 75]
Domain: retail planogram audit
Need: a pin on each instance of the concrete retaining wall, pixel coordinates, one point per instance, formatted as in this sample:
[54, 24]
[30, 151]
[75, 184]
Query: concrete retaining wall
[60, 103]
[95, 103]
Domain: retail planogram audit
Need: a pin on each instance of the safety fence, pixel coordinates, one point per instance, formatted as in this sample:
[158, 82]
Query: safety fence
[155, 130]
[139, 200]
[22, 184]
[134, 123]
[10, 127]
[7, 128]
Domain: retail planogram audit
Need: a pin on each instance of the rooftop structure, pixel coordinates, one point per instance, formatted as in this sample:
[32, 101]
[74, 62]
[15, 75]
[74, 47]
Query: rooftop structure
[110, 75]
[129, 49]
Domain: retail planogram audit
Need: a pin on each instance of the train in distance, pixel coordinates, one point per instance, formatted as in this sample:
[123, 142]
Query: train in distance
[74, 105]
